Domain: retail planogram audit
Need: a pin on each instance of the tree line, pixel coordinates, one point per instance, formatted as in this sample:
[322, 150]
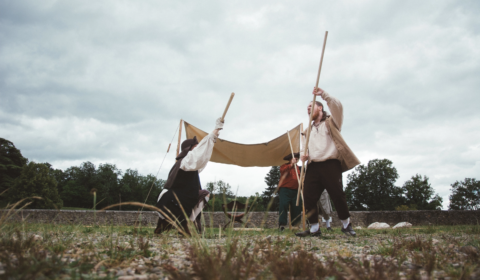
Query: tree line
[74, 187]
[370, 187]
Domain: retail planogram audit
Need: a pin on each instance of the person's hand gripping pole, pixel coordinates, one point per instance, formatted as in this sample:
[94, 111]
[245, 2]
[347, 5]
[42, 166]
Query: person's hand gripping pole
[220, 121]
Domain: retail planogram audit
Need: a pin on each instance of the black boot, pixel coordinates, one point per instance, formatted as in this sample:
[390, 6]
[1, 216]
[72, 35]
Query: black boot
[308, 233]
[349, 230]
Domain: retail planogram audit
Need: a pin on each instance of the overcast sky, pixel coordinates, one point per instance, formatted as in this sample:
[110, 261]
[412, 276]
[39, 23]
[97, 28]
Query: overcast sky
[108, 81]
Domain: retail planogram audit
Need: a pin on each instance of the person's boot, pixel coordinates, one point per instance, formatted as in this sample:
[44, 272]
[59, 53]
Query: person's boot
[162, 225]
[349, 230]
[308, 233]
[185, 228]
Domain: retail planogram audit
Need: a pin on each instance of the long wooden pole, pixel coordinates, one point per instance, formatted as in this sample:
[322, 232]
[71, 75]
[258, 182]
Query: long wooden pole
[298, 179]
[179, 137]
[311, 116]
[228, 105]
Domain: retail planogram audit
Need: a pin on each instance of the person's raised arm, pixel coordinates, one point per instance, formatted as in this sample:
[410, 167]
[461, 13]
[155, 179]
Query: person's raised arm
[333, 104]
[198, 158]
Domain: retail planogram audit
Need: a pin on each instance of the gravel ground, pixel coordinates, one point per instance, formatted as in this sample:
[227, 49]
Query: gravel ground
[71, 252]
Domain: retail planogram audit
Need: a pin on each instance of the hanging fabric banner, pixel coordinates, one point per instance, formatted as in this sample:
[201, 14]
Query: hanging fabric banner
[270, 153]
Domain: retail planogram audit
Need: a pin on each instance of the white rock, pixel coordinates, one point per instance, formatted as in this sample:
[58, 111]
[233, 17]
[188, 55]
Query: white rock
[403, 225]
[37, 238]
[378, 225]
[358, 227]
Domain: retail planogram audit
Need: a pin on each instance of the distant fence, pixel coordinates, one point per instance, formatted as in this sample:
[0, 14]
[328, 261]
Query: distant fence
[256, 219]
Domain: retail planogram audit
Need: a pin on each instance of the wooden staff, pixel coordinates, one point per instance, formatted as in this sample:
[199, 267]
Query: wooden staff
[179, 136]
[298, 179]
[302, 176]
[228, 105]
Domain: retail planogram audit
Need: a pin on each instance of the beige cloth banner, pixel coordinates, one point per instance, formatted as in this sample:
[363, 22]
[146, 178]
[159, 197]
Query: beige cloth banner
[264, 154]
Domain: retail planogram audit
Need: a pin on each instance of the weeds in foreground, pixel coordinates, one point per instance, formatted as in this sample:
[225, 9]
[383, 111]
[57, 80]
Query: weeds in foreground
[44, 251]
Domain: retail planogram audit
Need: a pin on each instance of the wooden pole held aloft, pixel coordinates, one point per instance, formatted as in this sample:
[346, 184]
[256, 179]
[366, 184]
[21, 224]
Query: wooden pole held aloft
[311, 116]
[228, 105]
[179, 137]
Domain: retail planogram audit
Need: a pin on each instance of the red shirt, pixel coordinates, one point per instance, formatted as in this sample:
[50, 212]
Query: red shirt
[290, 181]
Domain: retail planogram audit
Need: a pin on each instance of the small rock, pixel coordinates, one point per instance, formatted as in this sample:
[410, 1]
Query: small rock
[378, 225]
[403, 225]
[120, 273]
[451, 246]
[130, 272]
[435, 241]
[140, 269]
[141, 277]
[37, 238]
[358, 227]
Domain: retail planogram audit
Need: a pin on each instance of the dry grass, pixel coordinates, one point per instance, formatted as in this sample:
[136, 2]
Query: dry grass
[44, 251]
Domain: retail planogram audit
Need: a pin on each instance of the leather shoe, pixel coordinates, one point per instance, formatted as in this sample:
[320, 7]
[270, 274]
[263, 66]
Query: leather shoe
[308, 233]
[349, 230]
[281, 228]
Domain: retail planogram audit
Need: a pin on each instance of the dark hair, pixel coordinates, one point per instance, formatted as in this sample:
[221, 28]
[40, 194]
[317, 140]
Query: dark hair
[324, 114]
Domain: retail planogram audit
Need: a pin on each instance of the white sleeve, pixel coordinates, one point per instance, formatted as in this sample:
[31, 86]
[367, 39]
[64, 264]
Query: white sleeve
[199, 157]
[335, 107]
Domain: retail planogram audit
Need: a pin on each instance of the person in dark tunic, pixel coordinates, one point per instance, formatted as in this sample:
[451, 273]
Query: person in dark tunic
[183, 197]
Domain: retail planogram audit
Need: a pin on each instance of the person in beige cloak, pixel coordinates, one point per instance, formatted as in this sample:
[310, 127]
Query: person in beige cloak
[328, 156]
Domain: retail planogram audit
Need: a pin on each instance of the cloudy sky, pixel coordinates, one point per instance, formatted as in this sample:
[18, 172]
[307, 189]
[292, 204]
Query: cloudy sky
[108, 81]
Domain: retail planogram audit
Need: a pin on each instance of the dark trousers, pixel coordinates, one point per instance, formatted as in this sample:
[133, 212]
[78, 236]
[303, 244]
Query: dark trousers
[288, 199]
[320, 176]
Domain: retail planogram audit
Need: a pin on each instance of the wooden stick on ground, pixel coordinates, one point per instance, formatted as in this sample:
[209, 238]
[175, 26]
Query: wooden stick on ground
[311, 116]
[228, 105]
[179, 137]
[298, 179]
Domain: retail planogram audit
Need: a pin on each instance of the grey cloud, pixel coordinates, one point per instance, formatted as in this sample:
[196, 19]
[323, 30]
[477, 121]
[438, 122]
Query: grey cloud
[125, 73]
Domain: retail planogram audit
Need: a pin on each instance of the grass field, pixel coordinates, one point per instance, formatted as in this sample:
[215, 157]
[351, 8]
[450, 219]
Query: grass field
[36, 251]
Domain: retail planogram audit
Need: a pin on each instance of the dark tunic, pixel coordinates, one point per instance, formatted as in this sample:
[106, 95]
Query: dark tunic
[186, 186]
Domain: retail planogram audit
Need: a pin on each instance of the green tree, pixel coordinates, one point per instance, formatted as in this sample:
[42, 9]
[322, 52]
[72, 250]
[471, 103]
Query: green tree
[11, 164]
[419, 195]
[465, 195]
[36, 180]
[272, 179]
[135, 187]
[220, 188]
[107, 181]
[156, 185]
[80, 181]
[372, 187]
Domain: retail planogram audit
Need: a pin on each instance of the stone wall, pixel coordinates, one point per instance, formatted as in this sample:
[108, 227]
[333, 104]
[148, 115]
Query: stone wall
[255, 219]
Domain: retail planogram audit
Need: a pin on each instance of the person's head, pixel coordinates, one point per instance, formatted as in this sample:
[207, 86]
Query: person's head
[289, 157]
[318, 111]
[187, 146]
